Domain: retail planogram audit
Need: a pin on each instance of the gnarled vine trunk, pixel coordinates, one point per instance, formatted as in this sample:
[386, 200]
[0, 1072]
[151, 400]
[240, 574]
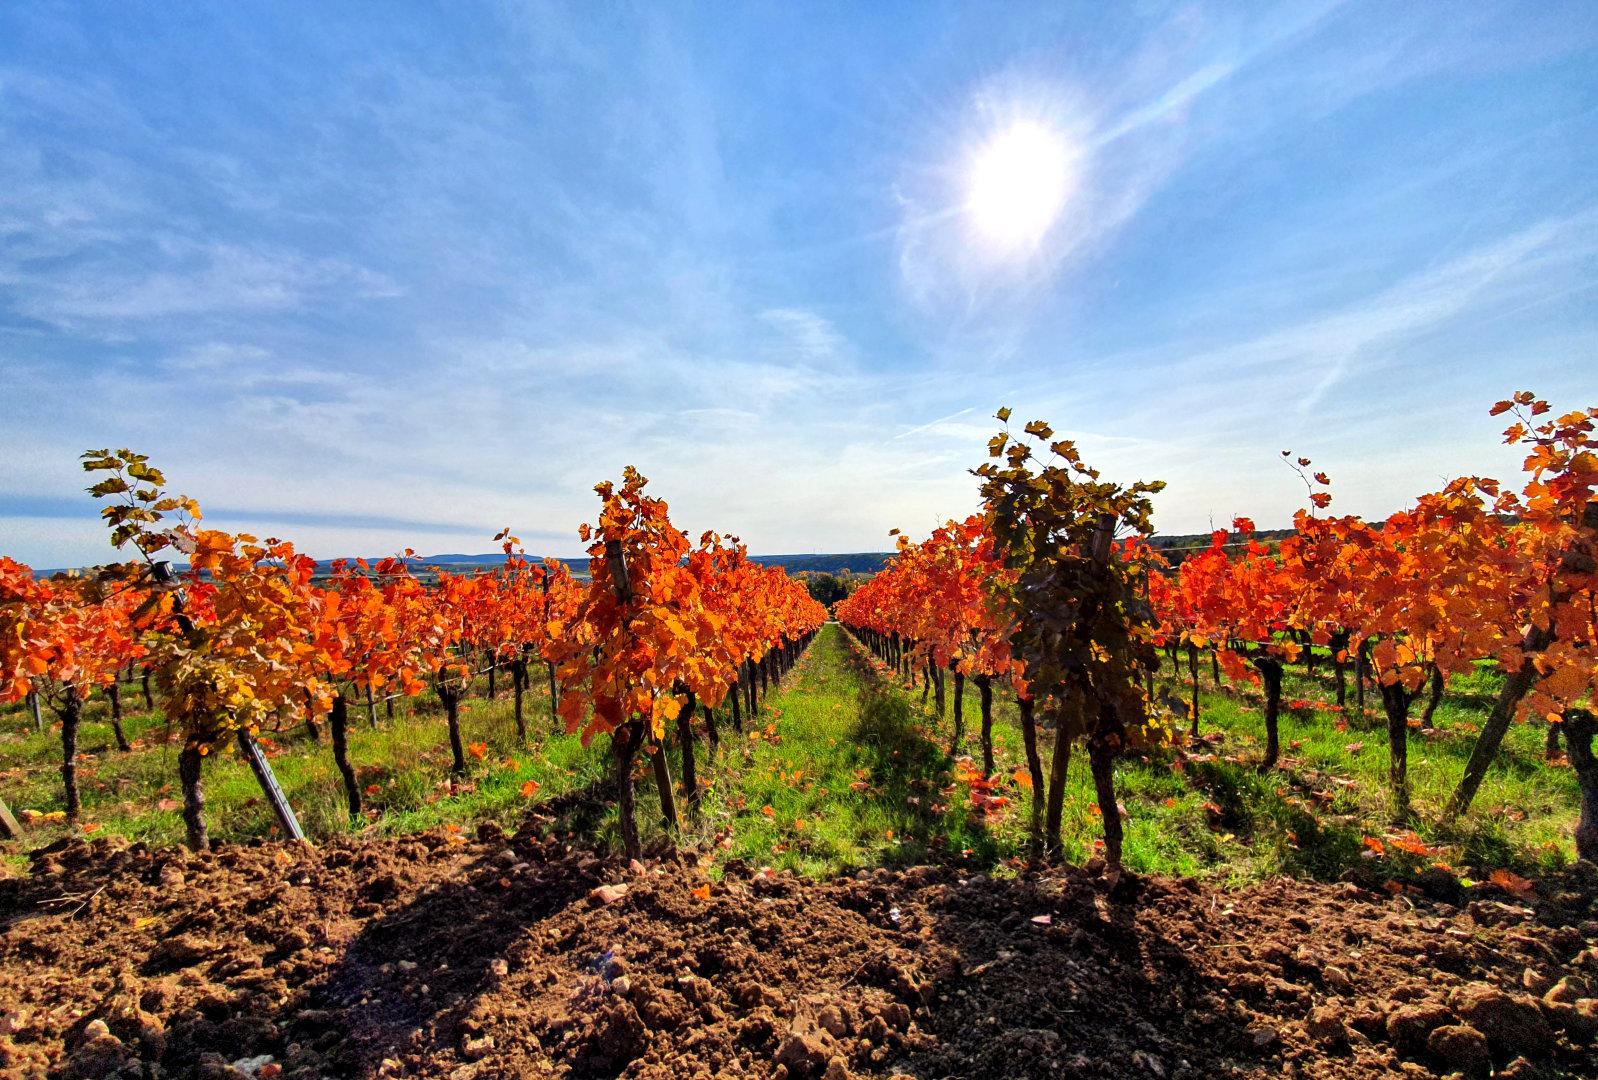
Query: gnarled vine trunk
[623, 750]
[1395, 702]
[114, 694]
[451, 698]
[685, 738]
[71, 713]
[1101, 761]
[959, 710]
[1270, 670]
[668, 801]
[1580, 728]
[1435, 684]
[518, 689]
[1034, 764]
[985, 705]
[1059, 765]
[1362, 663]
[189, 762]
[1192, 671]
[338, 732]
[1339, 647]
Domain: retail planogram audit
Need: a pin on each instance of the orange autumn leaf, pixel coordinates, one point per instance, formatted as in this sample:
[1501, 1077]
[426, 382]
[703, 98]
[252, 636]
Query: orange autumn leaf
[703, 892]
[478, 750]
[529, 789]
[1410, 843]
[1512, 882]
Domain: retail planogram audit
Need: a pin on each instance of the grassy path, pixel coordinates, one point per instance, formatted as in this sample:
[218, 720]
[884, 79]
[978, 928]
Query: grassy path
[840, 774]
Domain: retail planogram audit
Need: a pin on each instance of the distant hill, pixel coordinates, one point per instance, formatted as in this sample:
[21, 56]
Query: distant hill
[1179, 547]
[859, 562]
[466, 560]
[1174, 547]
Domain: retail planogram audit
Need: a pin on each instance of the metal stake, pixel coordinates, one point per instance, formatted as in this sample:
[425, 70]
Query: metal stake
[268, 780]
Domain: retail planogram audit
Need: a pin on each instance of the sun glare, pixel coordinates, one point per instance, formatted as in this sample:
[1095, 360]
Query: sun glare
[1019, 182]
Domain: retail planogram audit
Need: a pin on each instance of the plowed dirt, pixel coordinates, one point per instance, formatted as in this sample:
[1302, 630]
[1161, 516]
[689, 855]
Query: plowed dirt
[490, 956]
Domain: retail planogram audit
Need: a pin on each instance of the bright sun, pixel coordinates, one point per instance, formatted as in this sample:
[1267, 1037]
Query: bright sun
[1018, 183]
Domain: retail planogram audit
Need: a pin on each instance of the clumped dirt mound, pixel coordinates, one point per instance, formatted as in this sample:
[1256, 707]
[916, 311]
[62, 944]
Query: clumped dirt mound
[439, 955]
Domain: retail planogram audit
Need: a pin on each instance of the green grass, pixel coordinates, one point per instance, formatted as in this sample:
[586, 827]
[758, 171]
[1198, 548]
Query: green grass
[1210, 811]
[845, 768]
[402, 766]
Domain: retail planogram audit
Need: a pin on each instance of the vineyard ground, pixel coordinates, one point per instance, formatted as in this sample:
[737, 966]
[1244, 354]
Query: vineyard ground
[481, 951]
[855, 777]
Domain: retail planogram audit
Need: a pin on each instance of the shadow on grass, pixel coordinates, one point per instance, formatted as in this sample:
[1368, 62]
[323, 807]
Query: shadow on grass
[912, 774]
[1255, 807]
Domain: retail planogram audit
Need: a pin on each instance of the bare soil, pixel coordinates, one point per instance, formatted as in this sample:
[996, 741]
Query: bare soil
[491, 956]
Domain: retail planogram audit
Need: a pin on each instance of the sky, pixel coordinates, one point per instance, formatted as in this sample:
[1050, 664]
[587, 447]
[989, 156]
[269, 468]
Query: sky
[377, 276]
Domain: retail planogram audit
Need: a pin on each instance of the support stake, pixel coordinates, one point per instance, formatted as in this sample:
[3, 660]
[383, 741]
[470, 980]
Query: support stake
[9, 829]
[268, 780]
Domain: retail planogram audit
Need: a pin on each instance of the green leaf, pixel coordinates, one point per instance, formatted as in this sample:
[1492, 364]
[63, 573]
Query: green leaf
[113, 485]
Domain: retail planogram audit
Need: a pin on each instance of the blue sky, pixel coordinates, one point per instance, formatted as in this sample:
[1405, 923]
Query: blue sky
[375, 276]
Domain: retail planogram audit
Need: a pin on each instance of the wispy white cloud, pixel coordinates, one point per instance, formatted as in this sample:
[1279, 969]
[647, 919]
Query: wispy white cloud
[194, 279]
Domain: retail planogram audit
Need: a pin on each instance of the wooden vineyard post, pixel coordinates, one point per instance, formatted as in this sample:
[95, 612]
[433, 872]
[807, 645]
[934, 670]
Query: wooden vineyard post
[9, 829]
[269, 786]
